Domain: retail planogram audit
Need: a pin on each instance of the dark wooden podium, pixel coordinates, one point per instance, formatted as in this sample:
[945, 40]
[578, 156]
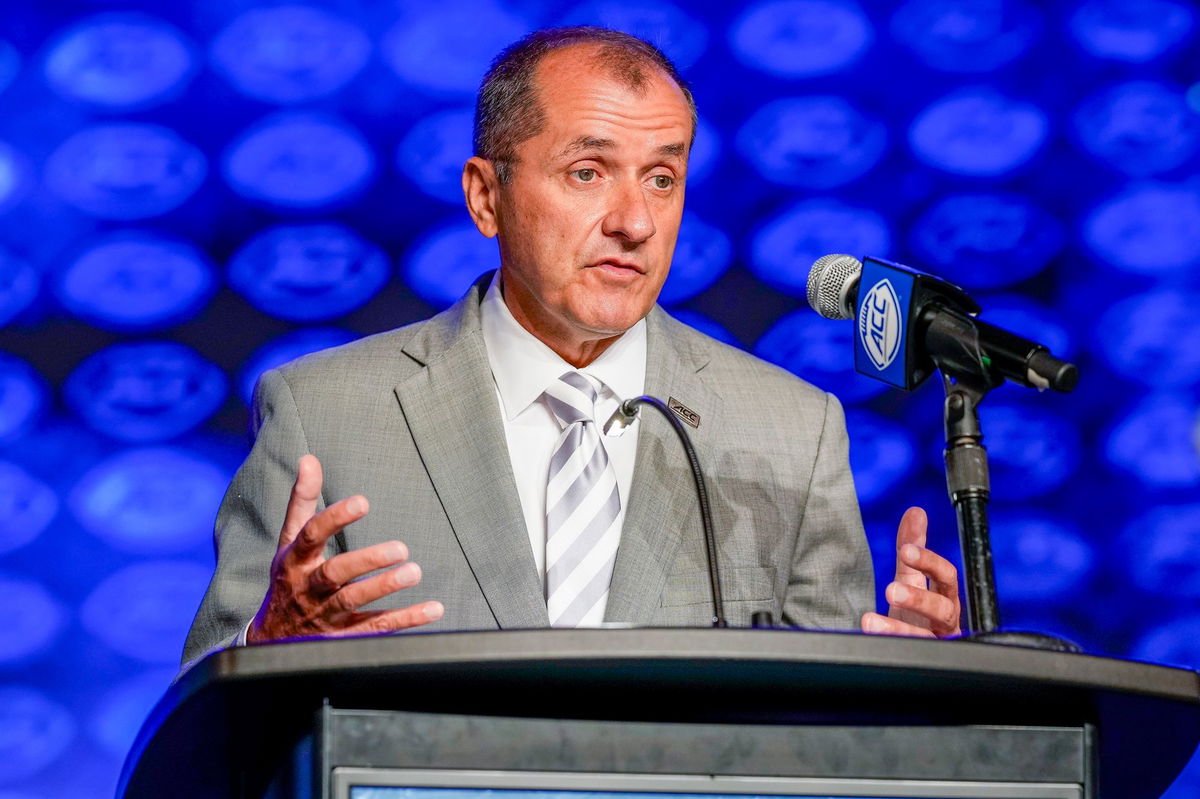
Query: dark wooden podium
[691, 711]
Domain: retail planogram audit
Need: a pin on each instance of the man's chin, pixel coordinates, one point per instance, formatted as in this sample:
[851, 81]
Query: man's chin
[611, 323]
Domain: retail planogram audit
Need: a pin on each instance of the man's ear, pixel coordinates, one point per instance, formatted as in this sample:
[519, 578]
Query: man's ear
[481, 191]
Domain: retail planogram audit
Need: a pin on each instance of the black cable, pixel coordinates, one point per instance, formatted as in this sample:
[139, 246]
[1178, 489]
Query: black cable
[629, 409]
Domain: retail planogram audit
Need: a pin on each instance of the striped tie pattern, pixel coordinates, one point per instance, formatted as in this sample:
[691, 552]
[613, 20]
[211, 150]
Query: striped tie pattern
[582, 509]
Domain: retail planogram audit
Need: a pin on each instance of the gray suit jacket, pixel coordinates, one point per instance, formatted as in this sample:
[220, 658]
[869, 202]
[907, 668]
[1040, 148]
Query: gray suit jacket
[410, 419]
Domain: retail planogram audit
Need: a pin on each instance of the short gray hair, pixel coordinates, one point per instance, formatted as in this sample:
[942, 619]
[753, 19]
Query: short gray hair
[507, 111]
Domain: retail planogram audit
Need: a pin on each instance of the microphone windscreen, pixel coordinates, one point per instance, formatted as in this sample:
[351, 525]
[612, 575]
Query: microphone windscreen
[831, 282]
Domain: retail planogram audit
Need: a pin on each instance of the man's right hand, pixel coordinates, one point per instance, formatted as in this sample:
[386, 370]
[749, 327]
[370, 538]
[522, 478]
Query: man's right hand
[311, 596]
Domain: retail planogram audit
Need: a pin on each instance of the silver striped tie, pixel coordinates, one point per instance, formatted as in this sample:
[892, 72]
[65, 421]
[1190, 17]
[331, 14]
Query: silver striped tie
[582, 509]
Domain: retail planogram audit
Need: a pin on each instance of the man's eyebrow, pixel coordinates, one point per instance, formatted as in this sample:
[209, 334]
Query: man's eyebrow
[676, 150]
[586, 143]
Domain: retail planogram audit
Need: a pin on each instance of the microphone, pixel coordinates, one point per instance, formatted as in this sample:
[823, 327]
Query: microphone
[624, 416]
[909, 322]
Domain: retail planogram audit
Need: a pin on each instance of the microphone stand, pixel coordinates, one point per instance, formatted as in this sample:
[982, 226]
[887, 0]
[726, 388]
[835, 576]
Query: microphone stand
[622, 418]
[968, 379]
[969, 486]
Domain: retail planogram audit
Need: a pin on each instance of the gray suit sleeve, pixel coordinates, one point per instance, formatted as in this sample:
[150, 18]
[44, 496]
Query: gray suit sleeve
[249, 520]
[832, 582]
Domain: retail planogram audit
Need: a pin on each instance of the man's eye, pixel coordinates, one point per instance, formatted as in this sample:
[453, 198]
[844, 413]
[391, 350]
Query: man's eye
[663, 181]
[586, 175]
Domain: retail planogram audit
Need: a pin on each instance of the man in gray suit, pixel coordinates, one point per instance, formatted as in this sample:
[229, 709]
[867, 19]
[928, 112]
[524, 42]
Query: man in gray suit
[458, 427]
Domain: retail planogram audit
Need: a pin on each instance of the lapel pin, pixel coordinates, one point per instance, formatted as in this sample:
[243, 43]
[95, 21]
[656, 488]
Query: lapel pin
[683, 412]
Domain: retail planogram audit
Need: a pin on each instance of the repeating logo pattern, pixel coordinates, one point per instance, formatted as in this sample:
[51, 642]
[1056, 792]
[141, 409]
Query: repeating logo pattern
[193, 194]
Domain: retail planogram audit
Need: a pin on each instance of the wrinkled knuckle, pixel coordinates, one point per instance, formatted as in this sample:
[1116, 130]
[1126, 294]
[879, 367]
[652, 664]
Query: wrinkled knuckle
[381, 624]
[307, 537]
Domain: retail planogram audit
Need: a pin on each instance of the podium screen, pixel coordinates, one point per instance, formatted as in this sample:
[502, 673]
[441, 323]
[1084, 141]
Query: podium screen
[362, 783]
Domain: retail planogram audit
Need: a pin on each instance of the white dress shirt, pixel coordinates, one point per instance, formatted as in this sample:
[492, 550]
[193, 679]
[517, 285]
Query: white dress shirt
[523, 367]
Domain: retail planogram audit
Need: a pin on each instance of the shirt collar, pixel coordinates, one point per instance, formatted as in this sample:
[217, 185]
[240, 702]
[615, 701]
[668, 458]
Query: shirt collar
[523, 366]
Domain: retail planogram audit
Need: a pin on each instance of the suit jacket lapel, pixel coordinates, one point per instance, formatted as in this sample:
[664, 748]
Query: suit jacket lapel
[451, 410]
[663, 506]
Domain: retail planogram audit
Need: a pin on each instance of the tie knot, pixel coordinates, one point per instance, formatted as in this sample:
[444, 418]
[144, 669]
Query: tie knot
[572, 398]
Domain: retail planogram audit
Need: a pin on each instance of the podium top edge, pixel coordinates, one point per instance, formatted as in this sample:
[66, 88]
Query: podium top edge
[804, 649]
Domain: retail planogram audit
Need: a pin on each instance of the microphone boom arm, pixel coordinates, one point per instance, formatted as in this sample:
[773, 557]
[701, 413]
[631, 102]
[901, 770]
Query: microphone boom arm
[622, 418]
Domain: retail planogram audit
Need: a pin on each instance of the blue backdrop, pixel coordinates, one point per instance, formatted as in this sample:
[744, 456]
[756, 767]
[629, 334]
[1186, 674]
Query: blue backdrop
[192, 192]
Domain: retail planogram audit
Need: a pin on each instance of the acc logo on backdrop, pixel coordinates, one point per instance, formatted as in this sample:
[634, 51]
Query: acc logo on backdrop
[22, 397]
[879, 324]
[1161, 547]
[308, 272]
[978, 132]
[1038, 559]
[20, 283]
[1131, 32]
[705, 153]
[144, 610]
[1176, 642]
[966, 36]
[987, 240]
[433, 152]
[1150, 228]
[820, 351]
[120, 61]
[881, 454]
[1153, 441]
[145, 392]
[289, 53]
[816, 142]
[702, 254]
[1031, 449]
[446, 47]
[136, 280]
[27, 506]
[120, 711]
[10, 64]
[154, 500]
[38, 730]
[31, 623]
[801, 38]
[1154, 338]
[783, 251]
[299, 160]
[443, 265]
[125, 170]
[681, 37]
[15, 177]
[1139, 127]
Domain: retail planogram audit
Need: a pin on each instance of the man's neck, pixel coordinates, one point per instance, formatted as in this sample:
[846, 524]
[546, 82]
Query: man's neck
[579, 352]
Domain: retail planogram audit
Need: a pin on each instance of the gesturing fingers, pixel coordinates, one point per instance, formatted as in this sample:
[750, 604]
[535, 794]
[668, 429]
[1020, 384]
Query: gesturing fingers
[941, 573]
[937, 607]
[310, 542]
[382, 621]
[883, 625]
[923, 608]
[352, 596]
[331, 575]
[912, 532]
[303, 501]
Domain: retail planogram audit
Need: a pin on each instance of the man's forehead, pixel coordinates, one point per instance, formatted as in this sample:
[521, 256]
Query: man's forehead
[585, 143]
[577, 71]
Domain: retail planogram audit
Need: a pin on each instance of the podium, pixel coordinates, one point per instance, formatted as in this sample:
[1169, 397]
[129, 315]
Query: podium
[638, 712]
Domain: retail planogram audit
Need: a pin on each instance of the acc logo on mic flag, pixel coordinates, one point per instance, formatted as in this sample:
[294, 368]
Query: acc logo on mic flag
[879, 328]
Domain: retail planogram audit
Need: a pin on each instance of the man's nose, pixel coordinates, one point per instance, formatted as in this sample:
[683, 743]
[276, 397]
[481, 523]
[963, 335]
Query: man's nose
[629, 216]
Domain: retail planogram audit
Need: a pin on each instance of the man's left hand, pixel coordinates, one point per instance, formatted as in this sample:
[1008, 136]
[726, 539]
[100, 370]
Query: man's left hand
[923, 599]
